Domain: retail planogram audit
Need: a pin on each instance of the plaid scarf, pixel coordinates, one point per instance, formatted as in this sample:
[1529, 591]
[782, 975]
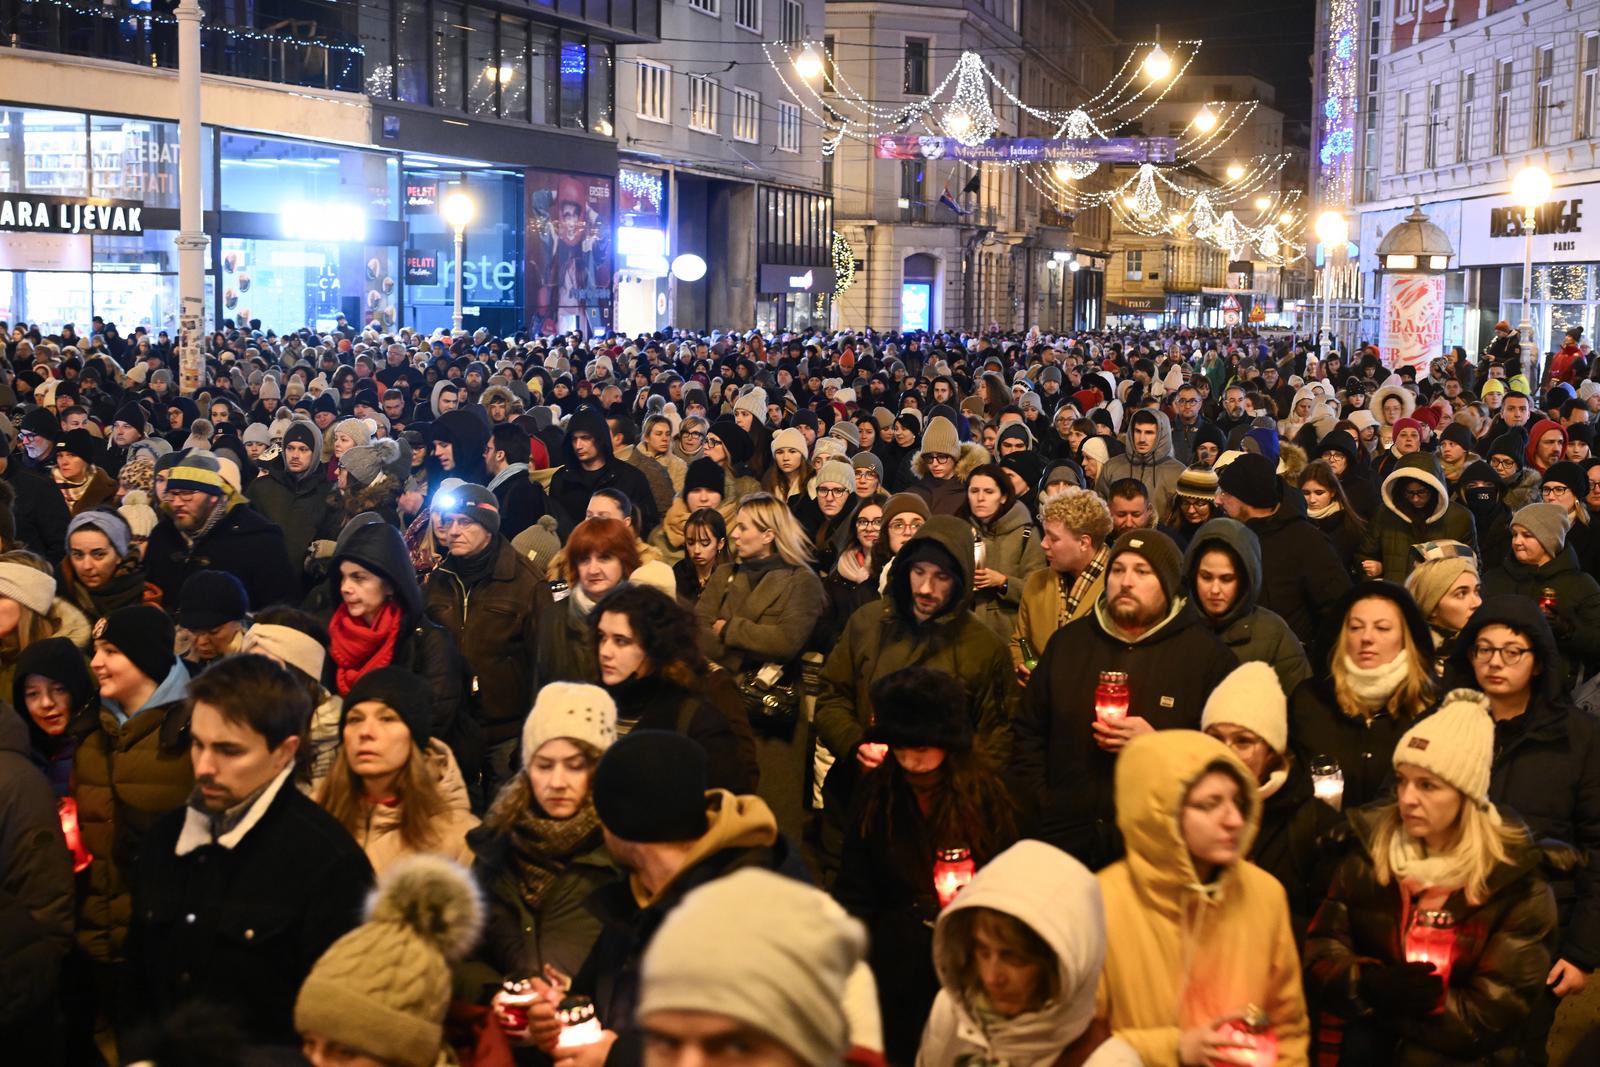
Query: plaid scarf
[1080, 587]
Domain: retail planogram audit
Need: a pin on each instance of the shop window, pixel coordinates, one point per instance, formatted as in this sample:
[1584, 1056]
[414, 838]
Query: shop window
[134, 159]
[373, 20]
[264, 175]
[601, 74]
[574, 67]
[411, 52]
[44, 152]
[483, 64]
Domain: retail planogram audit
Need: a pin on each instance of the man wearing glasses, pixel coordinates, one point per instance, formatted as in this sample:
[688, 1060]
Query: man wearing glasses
[1188, 424]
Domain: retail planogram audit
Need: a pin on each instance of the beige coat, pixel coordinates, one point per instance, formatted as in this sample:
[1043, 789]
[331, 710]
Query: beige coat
[380, 838]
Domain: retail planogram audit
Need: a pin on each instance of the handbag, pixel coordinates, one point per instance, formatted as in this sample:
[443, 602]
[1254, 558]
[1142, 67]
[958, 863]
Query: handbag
[772, 704]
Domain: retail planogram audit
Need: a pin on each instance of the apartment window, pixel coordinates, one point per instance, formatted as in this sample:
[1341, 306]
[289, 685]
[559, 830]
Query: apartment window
[1133, 268]
[746, 116]
[707, 7]
[1503, 71]
[747, 15]
[794, 22]
[1430, 150]
[1406, 9]
[1589, 86]
[1466, 104]
[913, 199]
[1402, 141]
[653, 101]
[789, 130]
[1544, 84]
[703, 104]
[916, 66]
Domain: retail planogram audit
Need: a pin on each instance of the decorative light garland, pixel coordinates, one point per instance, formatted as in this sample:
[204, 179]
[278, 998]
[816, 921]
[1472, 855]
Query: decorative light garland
[235, 32]
[1337, 151]
[844, 264]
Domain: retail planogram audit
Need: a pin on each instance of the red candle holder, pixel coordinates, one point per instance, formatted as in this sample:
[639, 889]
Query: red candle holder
[1431, 938]
[952, 870]
[67, 809]
[1253, 1032]
[1111, 697]
[516, 1002]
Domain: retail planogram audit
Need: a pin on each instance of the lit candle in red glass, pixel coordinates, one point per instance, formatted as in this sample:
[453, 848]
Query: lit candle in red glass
[1432, 939]
[70, 831]
[1111, 697]
[952, 870]
[1252, 1030]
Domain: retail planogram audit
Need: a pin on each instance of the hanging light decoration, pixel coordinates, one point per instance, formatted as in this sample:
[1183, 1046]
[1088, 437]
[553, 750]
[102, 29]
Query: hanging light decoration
[1080, 129]
[844, 264]
[1157, 64]
[969, 118]
[1269, 242]
[1146, 201]
[1205, 120]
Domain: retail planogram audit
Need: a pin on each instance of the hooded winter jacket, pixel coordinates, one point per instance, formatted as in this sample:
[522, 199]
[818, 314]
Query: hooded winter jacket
[571, 485]
[1302, 575]
[884, 636]
[302, 507]
[947, 496]
[1575, 617]
[1011, 546]
[1391, 532]
[1253, 632]
[1181, 954]
[1057, 768]
[1057, 898]
[1500, 960]
[1158, 469]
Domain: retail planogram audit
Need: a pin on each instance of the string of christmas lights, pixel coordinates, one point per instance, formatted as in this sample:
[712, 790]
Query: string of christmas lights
[239, 33]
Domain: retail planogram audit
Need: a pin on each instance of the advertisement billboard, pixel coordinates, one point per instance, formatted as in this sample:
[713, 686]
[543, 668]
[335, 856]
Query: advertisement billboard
[1413, 320]
[569, 252]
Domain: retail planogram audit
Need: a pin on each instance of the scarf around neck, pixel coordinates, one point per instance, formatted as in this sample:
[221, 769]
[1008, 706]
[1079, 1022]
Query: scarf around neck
[1373, 687]
[1318, 514]
[358, 649]
[542, 847]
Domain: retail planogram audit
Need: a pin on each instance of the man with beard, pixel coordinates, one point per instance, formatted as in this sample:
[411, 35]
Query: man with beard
[237, 894]
[293, 493]
[207, 525]
[1143, 627]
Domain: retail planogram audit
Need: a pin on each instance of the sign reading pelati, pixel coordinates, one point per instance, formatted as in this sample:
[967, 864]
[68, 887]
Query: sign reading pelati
[38, 213]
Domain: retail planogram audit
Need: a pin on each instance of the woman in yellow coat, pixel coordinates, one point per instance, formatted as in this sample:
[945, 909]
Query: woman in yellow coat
[1196, 935]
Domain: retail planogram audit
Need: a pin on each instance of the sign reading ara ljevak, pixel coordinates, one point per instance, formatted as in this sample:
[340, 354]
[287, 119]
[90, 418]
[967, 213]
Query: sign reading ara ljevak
[40, 213]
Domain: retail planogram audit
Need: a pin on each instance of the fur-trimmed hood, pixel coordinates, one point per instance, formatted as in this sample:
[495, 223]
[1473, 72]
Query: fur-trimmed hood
[972, 457]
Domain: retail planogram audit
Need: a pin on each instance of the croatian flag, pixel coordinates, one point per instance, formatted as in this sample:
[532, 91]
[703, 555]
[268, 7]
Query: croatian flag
[950, 202]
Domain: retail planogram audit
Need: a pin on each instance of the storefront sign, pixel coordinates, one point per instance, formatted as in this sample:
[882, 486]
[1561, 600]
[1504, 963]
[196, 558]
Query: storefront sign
[422, 268]
[422, 195]
[1030, 149]
[37, 213]
[1492, 231]
[1413, 320]
[778, 278]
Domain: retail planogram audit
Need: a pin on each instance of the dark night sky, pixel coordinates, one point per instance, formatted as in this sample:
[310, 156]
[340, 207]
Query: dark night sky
[1271, 39]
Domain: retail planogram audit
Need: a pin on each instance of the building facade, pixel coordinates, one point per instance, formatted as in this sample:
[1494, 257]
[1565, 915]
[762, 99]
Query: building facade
[328, 146]
[1445, 104]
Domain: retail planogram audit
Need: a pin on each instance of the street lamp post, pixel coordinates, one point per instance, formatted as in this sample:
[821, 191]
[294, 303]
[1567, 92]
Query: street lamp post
[1530, 188]
[1333, 231]
[458, 209]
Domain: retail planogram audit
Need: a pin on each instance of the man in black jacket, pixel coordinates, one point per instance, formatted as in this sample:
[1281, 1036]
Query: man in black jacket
[293, 493]
[40, 513]
[237, 895]
[505, 459]
[1302, 575]
[588, 464]
[205, 525]
[1063, 751]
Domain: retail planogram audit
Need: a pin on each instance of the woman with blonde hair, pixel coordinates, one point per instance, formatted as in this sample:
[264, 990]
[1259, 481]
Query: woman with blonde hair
[30, 611]
[393, 785]
[1435, 939]
[1374, 679]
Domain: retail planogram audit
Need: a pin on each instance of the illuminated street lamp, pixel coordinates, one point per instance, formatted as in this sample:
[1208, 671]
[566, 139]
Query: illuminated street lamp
[1333, 230]
[1205, 120]
[1157, 65]
[458, 210]
[1530, 189]
[808, 64]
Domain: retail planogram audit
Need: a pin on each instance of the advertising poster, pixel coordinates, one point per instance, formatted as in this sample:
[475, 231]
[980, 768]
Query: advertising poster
[1413, 320]
[569, 252]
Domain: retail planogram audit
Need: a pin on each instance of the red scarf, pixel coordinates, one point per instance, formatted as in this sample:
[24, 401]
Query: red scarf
[357, 648]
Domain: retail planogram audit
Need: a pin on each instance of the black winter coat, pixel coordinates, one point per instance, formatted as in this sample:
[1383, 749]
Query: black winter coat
[1361, 747]
[1576, 618]
[1293, 845]
[1302, 574]
[242, 543]
[241, 928]
[571, 485]
[1056, 767]
[40, 513]
[303, 508]
[522, 503]
[657, 703]
[1501, 957]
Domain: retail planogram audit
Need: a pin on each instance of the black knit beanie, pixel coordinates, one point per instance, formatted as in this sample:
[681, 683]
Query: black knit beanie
[399, 689]
[145, 635]
[704, 473]
[651, 787]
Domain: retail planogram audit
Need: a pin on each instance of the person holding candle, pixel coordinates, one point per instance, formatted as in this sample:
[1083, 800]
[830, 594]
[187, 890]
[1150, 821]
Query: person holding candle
[1374, 679]
[1544, 568]
[1547, 769]
[1196, 934]
[933, 793]
[1145, 628]
[1010, 550]
[1019, 955]
[1455, 986]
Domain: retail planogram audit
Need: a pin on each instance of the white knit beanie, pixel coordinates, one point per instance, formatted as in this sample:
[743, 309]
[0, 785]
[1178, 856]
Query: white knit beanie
[1251, 697]
[574, 710]
[837, 472]
[755, 402]
[1455, 743]
[33, 589]
[789, 437]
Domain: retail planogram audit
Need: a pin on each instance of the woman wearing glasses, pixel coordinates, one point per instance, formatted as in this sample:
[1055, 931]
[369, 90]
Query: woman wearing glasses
[1546, 769]
[852, 582]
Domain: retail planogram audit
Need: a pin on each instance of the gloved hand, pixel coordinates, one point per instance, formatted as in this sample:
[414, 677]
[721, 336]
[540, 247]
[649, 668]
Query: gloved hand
[320, 550]
[1402, 988]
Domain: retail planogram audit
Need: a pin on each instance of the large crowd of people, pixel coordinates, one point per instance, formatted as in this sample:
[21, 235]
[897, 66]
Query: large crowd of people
[1171, 698]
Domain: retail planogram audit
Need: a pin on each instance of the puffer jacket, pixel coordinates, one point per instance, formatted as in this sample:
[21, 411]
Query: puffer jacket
[1057, 898]
[1391, 532]
[770, 608]
[884, 636]
[126, 775]
[1502, 954]
[1010, 546]
[949, 496]
[1158, 470]
[1181, 955]
[1576, 615]
[1254, 633]
[380, 839]
[1302, 576]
